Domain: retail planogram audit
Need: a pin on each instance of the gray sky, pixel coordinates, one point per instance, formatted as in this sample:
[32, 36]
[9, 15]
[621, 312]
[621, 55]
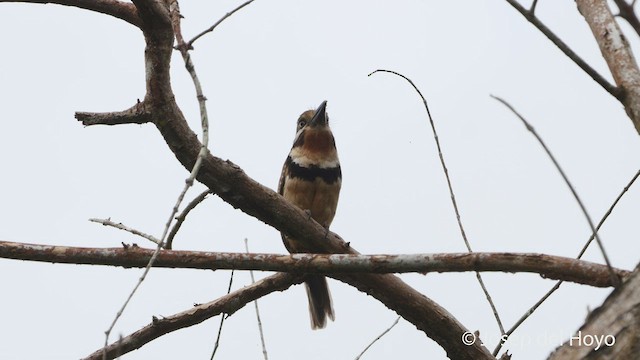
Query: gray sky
[260, 70]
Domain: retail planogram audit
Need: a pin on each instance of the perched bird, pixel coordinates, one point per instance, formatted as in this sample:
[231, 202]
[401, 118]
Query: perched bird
[311, 179]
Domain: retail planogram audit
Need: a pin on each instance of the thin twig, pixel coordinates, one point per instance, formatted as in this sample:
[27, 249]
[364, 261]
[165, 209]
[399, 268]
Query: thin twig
[557, 285]
[210, 29]
[183, 215]
[566, 180]
[378, 338]
[453, 197]
[524, 317]
[188, 183]
[253, 280]
[121, 226]
[532, 9]
[530, 16]
[215, 347]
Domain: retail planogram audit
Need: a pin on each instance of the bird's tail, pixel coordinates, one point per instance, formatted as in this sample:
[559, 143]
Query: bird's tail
[319, 301]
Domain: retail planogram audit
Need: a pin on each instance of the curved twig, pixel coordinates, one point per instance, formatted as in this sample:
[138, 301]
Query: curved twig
[451, 193]
[183, 215]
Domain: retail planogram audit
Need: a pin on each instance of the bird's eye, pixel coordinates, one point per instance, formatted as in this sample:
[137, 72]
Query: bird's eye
[302, 123]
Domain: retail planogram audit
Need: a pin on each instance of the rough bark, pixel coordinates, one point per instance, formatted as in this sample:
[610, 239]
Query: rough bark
[548, 266]
[611, 331]
[617, 53]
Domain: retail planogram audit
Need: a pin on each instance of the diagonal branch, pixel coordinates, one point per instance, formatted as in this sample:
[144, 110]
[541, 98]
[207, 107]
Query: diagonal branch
[583, 208]
[530, 16]
[616, 52]
[119, 9]
[121, 226]
[212, 27]
[183, 215]
[548, 266]
[227, 304]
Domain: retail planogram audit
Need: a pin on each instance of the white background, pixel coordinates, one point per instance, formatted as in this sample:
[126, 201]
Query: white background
[260, 69]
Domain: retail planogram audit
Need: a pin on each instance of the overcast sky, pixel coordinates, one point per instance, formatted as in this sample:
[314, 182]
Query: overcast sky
[260, 69]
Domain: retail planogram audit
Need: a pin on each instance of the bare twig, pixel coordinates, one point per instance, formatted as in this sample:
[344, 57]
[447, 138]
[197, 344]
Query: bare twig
[253, 280]
[592, 227]
[530, 16]
[548, 266]
[108, 222]
[217, 344]
[606, 215]
[183, 215]
[584, 248]
[155, 10]
[379, 337]
[118, 9]
[453, 196]
[227, 304]
[212, 27]
[524, 317]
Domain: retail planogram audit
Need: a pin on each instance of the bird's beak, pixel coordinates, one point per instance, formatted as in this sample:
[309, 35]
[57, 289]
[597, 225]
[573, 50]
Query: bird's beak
[320, 117]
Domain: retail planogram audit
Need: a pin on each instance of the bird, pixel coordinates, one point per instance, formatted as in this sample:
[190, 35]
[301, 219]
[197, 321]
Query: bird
[311, 179]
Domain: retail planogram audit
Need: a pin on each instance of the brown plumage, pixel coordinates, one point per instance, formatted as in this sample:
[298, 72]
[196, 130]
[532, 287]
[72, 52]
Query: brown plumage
[311, 179]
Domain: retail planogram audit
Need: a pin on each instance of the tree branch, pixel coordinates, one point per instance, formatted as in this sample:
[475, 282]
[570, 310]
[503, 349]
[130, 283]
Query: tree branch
[121, 10]
[232, 185]
[183, 215]
[227, 304]
[626, 11]
[530, 16]
[212, 27]
[616, 324]
[137, 114]
[548, 266]
[121, 226]
[616, 52]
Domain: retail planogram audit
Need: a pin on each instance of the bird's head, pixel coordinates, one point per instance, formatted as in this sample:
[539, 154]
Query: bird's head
[316, 119]
[314, 143]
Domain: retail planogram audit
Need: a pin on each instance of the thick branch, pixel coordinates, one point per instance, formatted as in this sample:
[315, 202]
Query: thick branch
[548, 266]
[227, 304]
[121, 10]
[137, 114]
[616, 52]
[616, 324]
